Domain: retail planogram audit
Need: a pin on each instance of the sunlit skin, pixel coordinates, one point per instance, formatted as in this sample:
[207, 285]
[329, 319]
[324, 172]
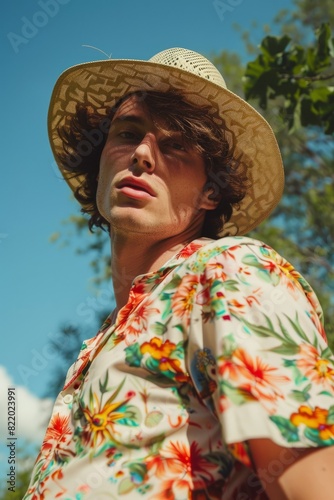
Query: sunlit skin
[151, 190]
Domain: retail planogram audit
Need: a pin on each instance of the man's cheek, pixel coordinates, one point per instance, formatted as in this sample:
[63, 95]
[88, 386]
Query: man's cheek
[103, 197]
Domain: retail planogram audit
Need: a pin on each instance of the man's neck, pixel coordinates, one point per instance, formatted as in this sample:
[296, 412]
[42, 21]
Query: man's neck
[132, 257]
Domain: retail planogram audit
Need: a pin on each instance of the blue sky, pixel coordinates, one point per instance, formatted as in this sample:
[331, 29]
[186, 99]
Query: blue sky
[43, 285]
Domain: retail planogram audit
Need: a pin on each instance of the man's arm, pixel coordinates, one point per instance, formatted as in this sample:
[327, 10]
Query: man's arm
[294, 474]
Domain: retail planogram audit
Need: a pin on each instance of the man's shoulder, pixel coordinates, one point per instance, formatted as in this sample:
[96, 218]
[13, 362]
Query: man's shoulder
[229, 244]
[207, 252]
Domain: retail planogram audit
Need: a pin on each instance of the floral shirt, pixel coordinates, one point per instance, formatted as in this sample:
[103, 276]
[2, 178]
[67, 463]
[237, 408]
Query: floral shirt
[224, 343]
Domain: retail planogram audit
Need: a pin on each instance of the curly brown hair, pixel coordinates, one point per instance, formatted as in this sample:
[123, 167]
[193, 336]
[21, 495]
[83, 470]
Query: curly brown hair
[84, 136]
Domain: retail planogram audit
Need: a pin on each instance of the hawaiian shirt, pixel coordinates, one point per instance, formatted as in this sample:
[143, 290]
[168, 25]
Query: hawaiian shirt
[223, 344]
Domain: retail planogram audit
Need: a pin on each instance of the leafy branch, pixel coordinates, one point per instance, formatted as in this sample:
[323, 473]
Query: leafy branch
[296, 74]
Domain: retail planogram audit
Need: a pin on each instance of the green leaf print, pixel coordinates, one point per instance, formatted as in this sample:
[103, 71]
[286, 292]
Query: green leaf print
[313, 435]
[174, 283]
[153, 418]
[125, 486]
[301, 396]
[285, 349]
[115, 393]
[297, 375]
[287, 429]
[139, 471]
[133, 356]
[327, 354]
[298, 329]
[167, 303]
[78, 414]
[218, 305]
[103, 385]
[330, 416]
[261, 330]
[152, 364]
[91, 397]
[326, 393]
[251, 260]
[264, 275]
[224, 460]
[180, 328]
[159, 328]
[230, 345]
[287, 345]
[132, 416]
[285, 332]
[230, 285]
[180, 349]
[156, 444]
[236, 395]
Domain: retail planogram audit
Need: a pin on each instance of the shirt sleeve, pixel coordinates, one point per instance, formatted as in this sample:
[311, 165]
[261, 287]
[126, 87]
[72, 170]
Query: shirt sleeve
[273, 372]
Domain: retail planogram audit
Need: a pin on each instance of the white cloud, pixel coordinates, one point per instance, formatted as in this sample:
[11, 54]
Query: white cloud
[32, 413]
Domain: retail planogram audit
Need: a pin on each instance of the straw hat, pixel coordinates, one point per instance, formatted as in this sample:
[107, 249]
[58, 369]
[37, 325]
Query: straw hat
[100, 84]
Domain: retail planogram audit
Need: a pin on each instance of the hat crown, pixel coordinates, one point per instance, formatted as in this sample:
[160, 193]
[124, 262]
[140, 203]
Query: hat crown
[190, 61]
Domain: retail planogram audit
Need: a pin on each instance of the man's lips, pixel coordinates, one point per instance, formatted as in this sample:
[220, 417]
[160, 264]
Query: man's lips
[136, 184]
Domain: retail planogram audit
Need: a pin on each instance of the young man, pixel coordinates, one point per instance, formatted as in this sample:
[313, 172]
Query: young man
[212, 378]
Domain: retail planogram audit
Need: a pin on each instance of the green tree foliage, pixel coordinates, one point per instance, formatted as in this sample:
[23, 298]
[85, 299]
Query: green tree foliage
[302, 76]
[307, 13]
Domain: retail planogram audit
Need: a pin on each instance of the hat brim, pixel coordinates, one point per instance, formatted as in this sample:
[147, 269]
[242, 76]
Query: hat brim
[100, 84]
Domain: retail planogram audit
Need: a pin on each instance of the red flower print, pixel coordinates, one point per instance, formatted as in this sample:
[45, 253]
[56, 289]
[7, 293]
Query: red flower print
[57, 440]
[181, 470]
[183, 298]
[188, 250]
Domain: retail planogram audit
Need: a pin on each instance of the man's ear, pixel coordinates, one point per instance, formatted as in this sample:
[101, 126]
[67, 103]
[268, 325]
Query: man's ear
[209, 200]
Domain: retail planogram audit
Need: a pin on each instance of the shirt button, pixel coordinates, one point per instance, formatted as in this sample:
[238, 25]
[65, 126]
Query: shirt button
[68, 399]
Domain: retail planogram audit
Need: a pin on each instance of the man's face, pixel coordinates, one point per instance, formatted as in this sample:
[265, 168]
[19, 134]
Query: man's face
[149, 181]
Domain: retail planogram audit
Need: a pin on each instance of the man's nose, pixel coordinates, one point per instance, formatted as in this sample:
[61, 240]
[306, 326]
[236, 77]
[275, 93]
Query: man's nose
[144, 155]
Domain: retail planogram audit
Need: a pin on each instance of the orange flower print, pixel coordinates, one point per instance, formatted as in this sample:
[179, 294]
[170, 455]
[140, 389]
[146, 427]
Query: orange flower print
[140, 311]
[136, 296]
[228, 369]
[162, 357]
[241, 453]
[188, 250]
[287, 273]
[316, 368]
[181, 470]
[161, 352]
[215, 270]
[254, 376]
[235, 305]
[184, 296]
[139, 320]
[316, 420]
[57, 438]
[158, 349]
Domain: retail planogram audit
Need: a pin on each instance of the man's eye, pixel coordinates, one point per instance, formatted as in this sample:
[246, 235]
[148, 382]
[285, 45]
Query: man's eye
[177, 145]
[126, 134]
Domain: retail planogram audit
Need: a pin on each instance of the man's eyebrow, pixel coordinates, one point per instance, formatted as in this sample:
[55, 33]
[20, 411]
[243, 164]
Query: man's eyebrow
[126, 118]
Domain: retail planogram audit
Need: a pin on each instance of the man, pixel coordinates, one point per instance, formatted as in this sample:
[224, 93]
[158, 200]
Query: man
[213, 370]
